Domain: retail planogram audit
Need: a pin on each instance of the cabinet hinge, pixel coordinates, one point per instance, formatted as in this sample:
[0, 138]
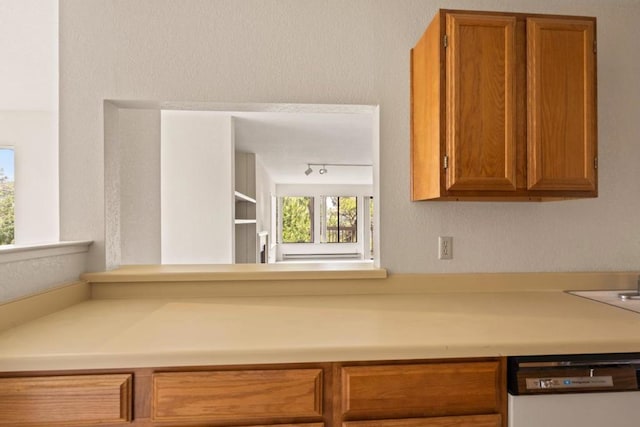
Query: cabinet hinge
[445, 162]
[445, 41]
[595, 163]
[595, 46]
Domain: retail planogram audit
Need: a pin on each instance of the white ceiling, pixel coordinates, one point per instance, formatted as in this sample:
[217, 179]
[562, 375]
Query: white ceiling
[286, 142]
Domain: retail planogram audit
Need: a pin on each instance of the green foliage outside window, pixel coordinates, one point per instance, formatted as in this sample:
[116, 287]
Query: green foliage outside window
[297, 214]
[7, 210]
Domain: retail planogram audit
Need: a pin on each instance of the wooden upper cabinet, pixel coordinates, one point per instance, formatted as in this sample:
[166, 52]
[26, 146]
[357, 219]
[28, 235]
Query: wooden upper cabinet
[562, 91]
[480, 81]
[503, 107]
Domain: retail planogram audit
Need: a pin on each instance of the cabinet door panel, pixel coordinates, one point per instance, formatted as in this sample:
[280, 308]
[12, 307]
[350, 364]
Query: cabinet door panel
[69, 400]
[291, 425]
[465, 421]
[438, 389]
[481, 112]
[237, 395]
[562, 105]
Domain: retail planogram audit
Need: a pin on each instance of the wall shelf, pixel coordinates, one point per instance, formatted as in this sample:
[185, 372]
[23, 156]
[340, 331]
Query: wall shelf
[244, 221]
[240, 197]
[243, 198]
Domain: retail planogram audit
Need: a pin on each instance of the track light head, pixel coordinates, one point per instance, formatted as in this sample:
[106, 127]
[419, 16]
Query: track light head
[308, 171]
[323, 170]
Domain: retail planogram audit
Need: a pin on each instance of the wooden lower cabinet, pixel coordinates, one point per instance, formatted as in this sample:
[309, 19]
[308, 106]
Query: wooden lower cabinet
[239, 394]
[464, 421]
[419, 390]
[290, 425]
[66, 400]
[424, 393]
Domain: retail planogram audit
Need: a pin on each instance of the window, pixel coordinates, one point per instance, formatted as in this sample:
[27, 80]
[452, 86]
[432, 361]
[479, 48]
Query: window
[297, 219]
[340, 219]
[336, 217]
[7, 199]
[371, 229]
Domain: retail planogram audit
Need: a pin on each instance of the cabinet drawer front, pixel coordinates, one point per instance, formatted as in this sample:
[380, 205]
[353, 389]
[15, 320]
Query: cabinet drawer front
[465, 421]
[74, 400]
[292, 425]
[438, 389]
[231, 395]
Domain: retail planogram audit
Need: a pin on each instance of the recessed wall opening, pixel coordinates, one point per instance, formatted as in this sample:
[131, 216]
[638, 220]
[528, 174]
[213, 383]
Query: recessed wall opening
[206, 183]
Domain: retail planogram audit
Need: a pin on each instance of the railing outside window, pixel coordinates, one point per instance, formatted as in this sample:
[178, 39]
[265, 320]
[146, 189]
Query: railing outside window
[342, 235]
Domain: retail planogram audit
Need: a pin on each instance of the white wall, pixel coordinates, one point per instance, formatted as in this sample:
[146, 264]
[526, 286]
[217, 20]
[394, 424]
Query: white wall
[354, 52]
[32, 135]
[29, 113]
[133, 173]
[29, 122]
[29, 55]
[196, 187]
[265, 189]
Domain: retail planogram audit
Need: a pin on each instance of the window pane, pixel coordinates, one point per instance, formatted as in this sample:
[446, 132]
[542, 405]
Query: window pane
[7, 203]
[341, 219]
[297, 224]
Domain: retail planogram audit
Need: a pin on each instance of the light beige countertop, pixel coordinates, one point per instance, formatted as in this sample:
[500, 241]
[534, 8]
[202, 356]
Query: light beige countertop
[139, 332]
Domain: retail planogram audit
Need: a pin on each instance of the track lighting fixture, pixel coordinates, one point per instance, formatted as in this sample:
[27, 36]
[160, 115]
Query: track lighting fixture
[323, 170]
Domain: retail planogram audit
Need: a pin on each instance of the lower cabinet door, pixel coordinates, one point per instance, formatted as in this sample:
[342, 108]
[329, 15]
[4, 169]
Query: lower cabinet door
[66, 400]
[493, 420]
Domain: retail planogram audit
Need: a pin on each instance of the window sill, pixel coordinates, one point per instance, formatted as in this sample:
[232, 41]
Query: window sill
[236, 272]
[15, 253]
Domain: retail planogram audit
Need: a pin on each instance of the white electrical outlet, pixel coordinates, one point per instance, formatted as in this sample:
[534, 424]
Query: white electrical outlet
[445, 247]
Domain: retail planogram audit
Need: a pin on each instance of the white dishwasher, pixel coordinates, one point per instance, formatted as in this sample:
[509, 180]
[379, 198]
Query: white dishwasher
[591, 390]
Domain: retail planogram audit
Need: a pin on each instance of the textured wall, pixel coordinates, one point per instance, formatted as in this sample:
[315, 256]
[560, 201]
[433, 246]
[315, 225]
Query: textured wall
[356, 52]
[20, 278]
[139, 132]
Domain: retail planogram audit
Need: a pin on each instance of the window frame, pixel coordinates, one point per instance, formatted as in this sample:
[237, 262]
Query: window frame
[12, 149]
[323, 219]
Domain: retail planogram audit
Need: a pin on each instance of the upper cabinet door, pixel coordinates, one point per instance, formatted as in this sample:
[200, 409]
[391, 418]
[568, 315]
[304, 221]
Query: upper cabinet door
[562, 131]
[480, 94]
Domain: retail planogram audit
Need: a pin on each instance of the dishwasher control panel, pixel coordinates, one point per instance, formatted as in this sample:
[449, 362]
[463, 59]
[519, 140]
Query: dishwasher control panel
[568, 382]
[573, 373]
